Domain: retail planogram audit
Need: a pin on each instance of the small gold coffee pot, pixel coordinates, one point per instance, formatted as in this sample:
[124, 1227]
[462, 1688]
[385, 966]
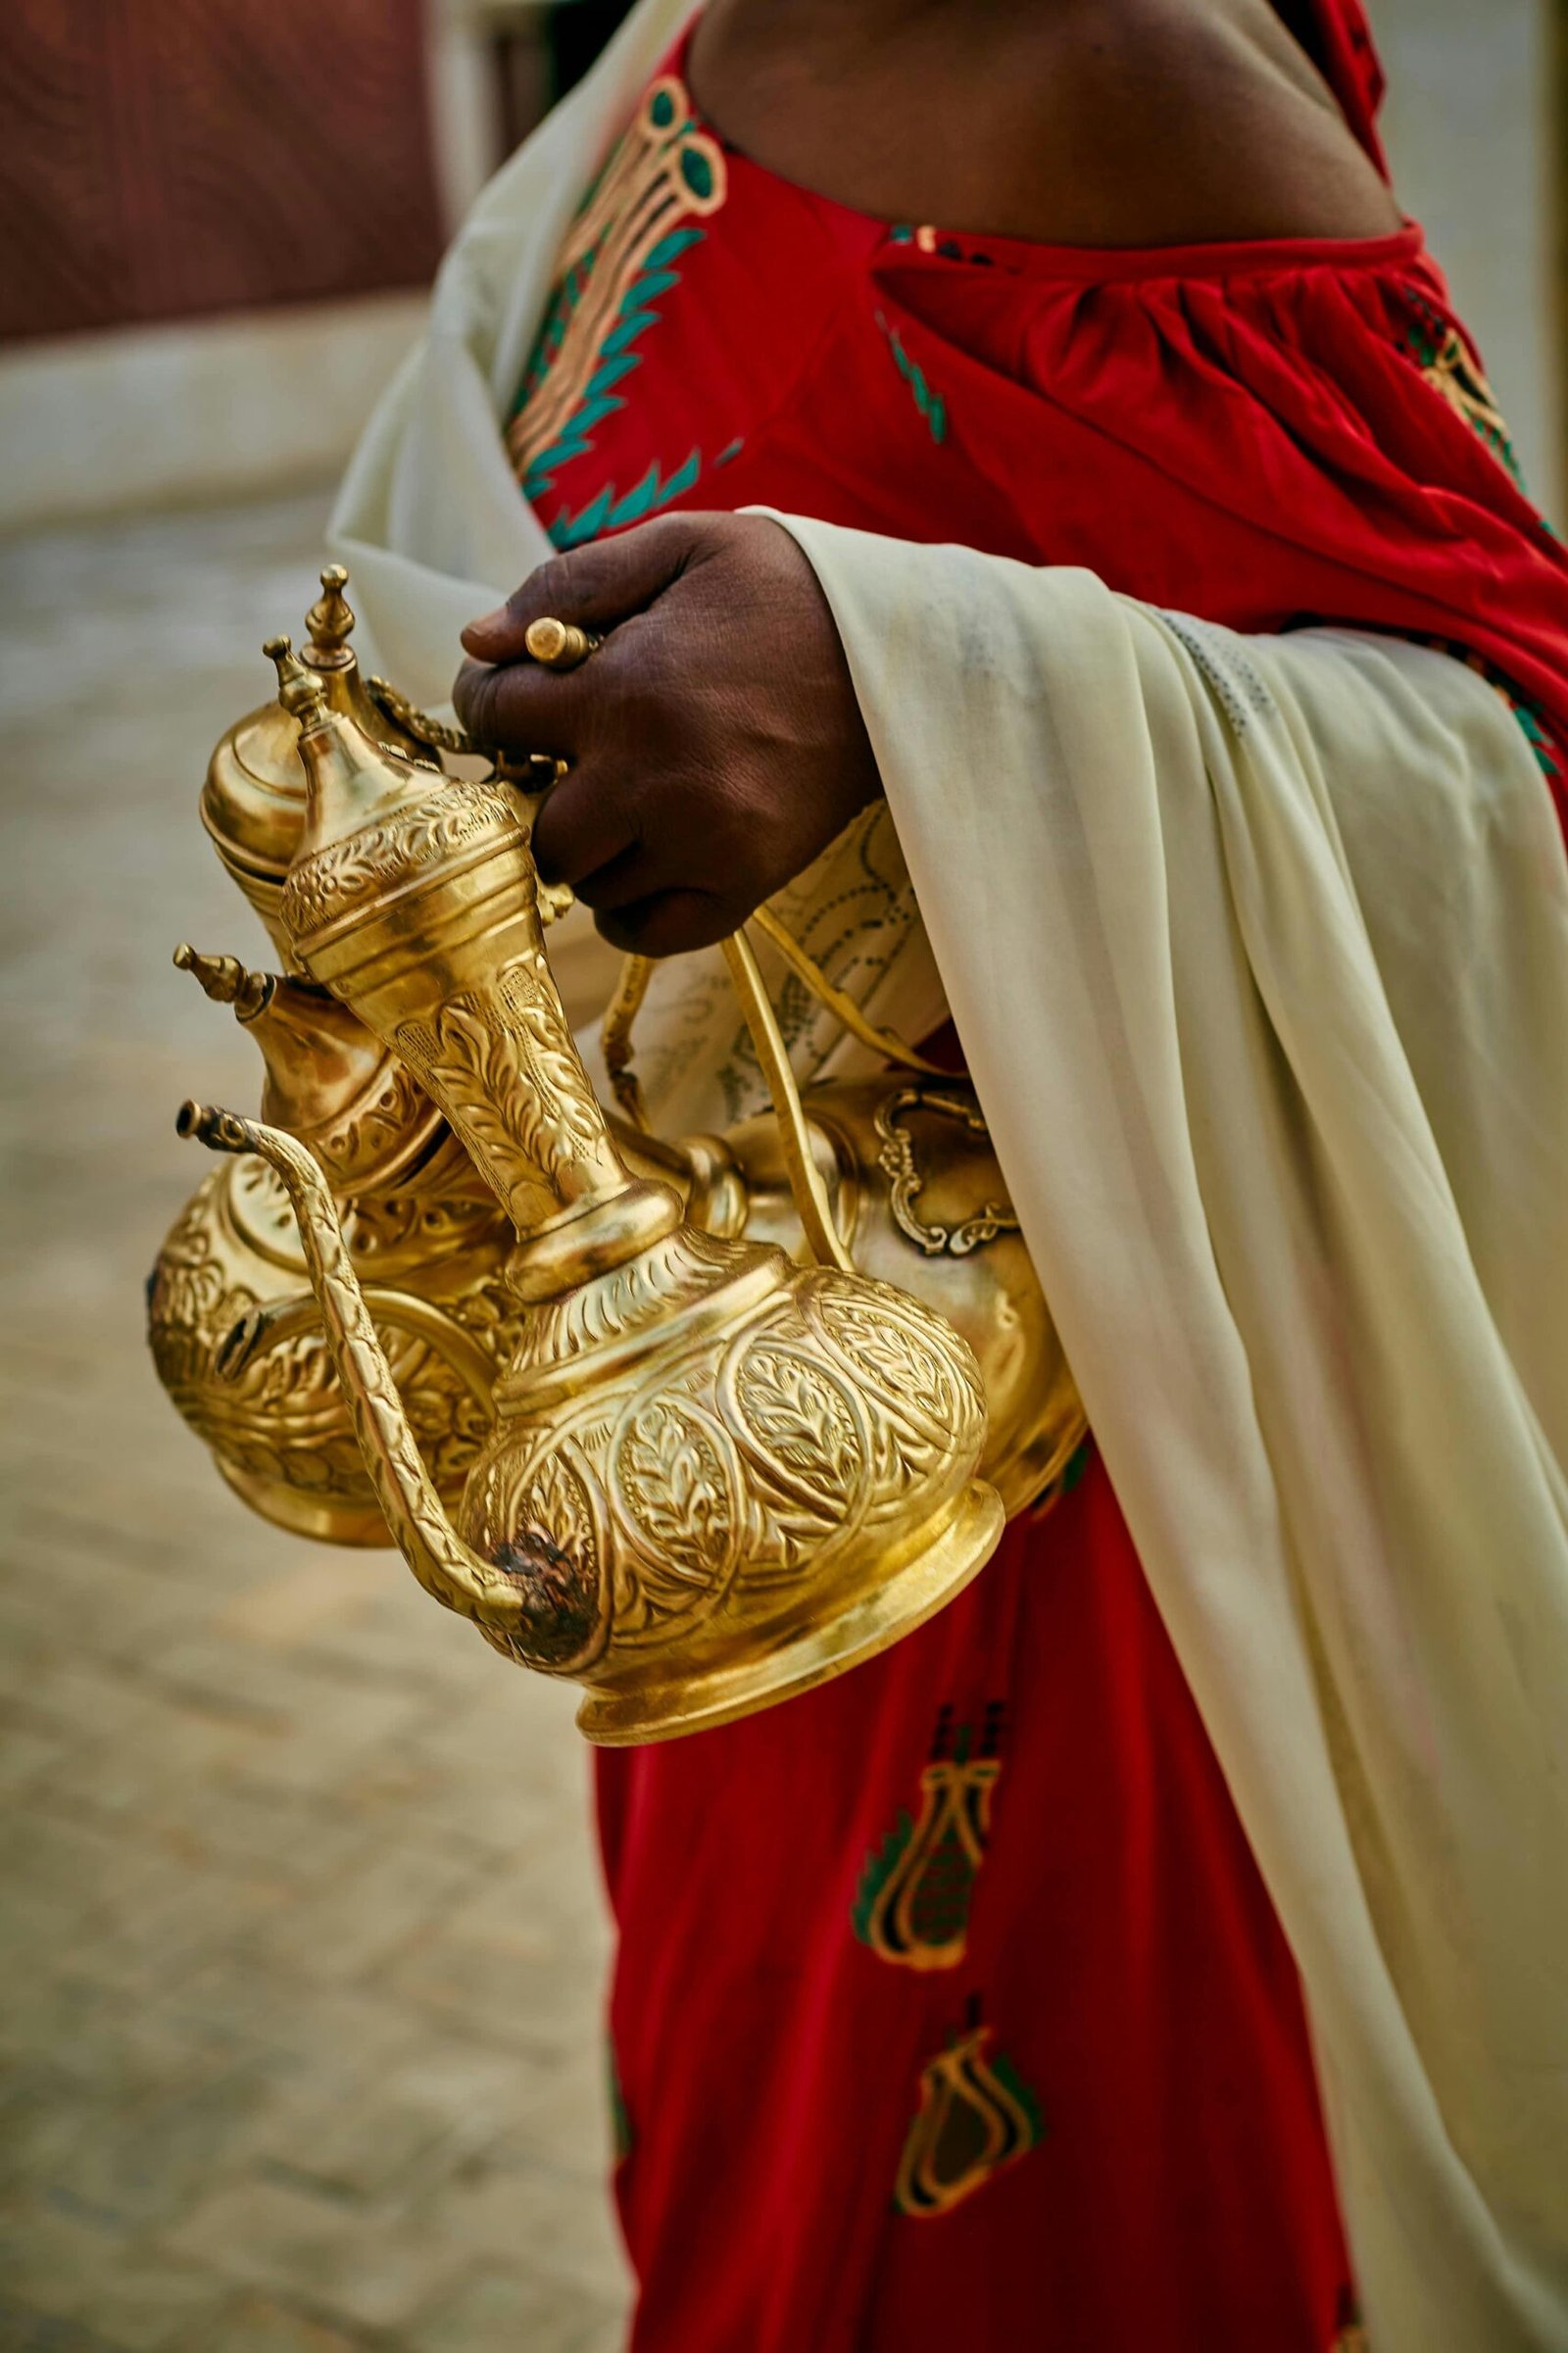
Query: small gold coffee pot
[716, 1477]
[427, 1237]
[428, 1241]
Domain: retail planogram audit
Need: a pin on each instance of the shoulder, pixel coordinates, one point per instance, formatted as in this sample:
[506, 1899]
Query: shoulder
[1186, 121]
[1131, 123]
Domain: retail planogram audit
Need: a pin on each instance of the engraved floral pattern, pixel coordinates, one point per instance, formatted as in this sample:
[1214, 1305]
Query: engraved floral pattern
[503, 1063]
[674, 1489]
[326, 885]
[886, 1346]
[749, 1442]
[278, 1412]
[355, 1145]
[800, 1418]
[535, 1521]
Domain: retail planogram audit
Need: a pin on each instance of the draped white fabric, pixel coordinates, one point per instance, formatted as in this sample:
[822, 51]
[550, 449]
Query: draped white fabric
[1259, 953]
[1259, 950]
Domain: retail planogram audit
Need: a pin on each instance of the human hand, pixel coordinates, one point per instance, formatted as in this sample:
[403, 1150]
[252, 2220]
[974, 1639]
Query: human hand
[714, 742]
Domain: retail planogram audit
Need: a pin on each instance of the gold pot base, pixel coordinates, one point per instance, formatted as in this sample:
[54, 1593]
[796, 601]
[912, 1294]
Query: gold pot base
[872, 1623]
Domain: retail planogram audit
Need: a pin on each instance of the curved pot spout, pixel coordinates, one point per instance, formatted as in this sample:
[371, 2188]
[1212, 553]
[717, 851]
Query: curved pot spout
[494, 1598]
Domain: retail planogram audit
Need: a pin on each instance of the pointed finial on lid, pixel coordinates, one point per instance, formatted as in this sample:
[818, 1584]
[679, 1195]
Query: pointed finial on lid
[299, 690]
[227, 980]
[330, 622]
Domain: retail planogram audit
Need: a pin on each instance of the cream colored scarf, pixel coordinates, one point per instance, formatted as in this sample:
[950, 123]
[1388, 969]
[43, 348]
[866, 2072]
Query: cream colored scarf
[1258, 951]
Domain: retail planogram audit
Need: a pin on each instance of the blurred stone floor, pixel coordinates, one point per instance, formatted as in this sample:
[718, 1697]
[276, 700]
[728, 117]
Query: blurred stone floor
[301, 1939]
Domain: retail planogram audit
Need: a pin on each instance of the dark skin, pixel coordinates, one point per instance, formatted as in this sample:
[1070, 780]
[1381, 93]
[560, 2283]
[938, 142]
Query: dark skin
[715, 741]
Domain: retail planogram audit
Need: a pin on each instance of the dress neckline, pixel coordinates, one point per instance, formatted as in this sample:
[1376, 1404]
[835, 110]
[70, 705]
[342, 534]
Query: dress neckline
[925, 244]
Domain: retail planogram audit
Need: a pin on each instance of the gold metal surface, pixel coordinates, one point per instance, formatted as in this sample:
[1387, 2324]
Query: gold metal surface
[615, 1035]
[446, 735]
[237, 1341]
[335, 1087]
[425, 1233]
[559, 645]
[906, 1179]
[838, 1001]
[715, 1477]
[436, 735]
[428, 1238]
[253, 801]
[808, 1191]
[990, 1294]
[578, 1369]
[904, 1166]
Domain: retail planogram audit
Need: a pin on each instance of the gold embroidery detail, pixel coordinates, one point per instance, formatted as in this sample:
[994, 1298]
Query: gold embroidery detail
[975, 2118]
[935, 1870]
[1454, 371]
[662, 172]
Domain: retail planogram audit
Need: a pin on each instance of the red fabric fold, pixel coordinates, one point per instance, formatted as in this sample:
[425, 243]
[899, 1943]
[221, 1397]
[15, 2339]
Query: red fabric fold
[1258, 434]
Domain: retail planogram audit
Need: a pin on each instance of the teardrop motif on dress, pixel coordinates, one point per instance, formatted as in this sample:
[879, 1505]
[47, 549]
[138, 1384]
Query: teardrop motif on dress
[913, 1904]
[976, 2115]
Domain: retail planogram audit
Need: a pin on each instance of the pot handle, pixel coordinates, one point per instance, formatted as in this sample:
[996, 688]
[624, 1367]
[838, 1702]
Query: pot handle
[811, 1204]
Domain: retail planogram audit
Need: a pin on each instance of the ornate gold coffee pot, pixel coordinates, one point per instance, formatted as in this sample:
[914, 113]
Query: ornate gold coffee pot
[427, 1237]
[701, 1475]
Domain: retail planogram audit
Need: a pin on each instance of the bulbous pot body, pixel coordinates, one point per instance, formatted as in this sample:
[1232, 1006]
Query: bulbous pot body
[920, 1200]
[719, 1477]
[237, 1342]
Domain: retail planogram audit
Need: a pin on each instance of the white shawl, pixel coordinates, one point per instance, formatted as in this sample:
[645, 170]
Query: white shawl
[1259, 950]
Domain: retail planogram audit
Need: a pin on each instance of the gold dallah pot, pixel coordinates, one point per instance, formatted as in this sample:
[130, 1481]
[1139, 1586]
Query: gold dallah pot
[600, 1403]
[427, 1237]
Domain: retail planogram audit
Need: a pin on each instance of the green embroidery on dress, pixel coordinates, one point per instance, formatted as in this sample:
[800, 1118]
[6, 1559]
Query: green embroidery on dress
[607, 513]
[1028, 2099]
[880, 1866]
[1453, 369]
[619, 258]
[617, 357]
[622, 2140]
[912, 1906]
[1535, 734]
[931, 404]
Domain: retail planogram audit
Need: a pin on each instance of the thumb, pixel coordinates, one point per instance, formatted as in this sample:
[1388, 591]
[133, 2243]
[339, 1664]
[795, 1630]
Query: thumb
[594, 586]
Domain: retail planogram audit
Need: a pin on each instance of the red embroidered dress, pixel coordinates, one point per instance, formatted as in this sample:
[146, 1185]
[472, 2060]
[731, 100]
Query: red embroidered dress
[950, 2008]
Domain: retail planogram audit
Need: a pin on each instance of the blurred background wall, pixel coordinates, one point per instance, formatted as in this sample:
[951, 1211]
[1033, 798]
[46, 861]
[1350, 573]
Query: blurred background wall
[1477, 128]
[301, 1930]
[217, 217]
[217, 220]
